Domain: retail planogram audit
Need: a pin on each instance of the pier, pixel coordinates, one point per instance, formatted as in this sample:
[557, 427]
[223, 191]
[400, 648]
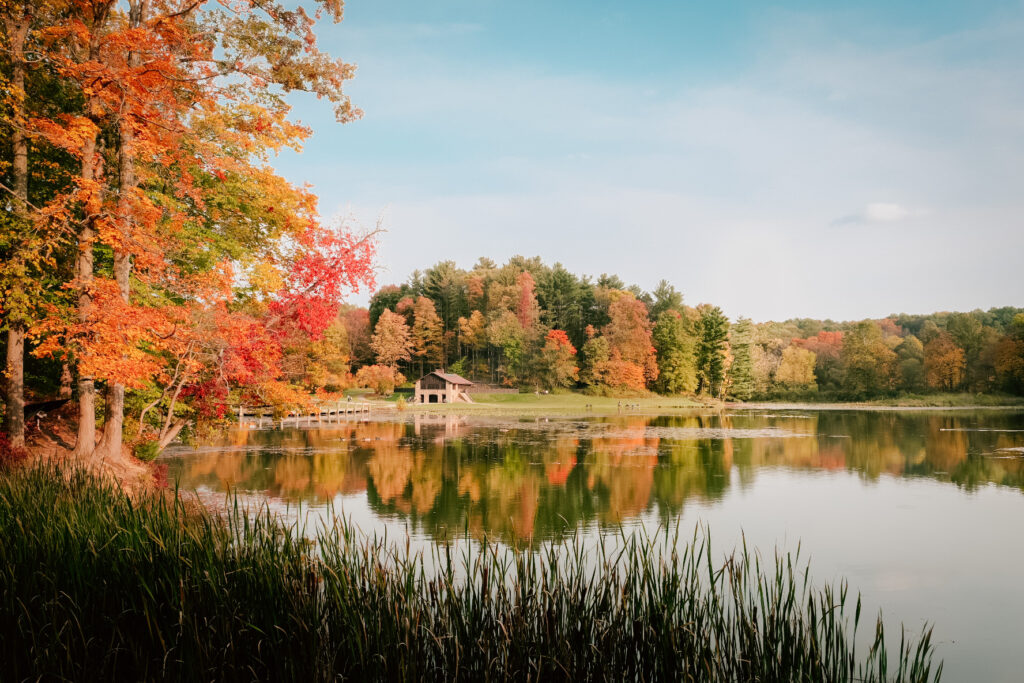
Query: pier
[259, 416]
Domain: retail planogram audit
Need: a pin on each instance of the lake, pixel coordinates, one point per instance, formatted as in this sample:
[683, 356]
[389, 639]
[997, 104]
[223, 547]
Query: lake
[920, 510]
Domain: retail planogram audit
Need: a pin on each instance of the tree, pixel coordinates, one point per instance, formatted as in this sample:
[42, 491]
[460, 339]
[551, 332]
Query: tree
[445, 285]
[507, 335]
[427, 334]
[827, 347]
[527, 310]
[666, 298]
[629, 333]
[619, 374]
[712, 335]
[944, 363]
[19, 20]
[559, 360]
[473, 335]
[910, 357]
[161, 115]
[391, 341]
[385, 299]
[564, 300]
[741, 372]
[677, 372]
[596, 352]
[1009, 357]
[969, 333]
[796, 368]
[767, 356]
[357, 329]
[316, 364]
[868, 363]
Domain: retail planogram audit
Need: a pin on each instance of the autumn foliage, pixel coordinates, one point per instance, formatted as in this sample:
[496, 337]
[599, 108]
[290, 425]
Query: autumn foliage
[381, 378]
[171, 269]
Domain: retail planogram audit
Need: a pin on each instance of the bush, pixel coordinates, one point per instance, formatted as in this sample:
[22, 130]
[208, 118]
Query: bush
[146, 451]
[9, 455]
[381, 378]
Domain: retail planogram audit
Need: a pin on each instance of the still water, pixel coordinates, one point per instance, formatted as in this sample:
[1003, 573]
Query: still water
[922, 511]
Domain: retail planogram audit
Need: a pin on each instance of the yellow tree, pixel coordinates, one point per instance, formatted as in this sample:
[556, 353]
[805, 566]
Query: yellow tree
[427, 333]
[944, 363]
[391, 341]
[796, 369]
[473, 334]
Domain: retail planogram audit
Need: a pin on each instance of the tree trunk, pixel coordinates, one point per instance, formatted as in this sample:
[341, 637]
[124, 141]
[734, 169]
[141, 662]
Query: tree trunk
[14, 415]
[86, 443]
[65, 380]
[110, 445]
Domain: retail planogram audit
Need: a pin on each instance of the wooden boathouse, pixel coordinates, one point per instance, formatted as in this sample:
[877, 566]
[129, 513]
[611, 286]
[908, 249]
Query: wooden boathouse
[442, 387]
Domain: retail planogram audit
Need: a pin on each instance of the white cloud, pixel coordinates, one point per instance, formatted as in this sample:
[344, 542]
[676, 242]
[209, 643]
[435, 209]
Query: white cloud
[880, 212]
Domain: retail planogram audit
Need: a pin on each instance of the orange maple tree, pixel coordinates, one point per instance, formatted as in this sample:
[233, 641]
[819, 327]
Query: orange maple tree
[193, 257]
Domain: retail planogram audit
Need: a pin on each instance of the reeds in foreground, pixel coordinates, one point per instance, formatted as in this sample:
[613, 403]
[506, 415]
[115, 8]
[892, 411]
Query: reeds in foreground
[95, 586]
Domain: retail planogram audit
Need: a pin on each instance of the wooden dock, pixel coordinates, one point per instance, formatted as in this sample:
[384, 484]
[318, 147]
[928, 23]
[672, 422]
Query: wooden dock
[259, 416]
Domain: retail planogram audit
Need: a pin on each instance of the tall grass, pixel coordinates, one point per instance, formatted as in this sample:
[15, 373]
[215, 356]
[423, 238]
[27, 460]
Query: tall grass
[95, 586]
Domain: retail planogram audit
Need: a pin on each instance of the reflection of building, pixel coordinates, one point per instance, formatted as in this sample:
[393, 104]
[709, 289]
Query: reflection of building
[452, 424]
[442, 387]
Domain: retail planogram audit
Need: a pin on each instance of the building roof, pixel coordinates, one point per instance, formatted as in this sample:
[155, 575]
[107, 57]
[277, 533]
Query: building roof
[449, 377]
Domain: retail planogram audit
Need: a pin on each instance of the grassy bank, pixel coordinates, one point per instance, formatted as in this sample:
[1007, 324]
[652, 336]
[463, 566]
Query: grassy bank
[573, 404]
[952, 400]
[947, 400]
[562, 404]
[94, 586]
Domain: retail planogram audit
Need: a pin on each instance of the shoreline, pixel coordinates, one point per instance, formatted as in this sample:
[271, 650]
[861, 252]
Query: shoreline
[865, 406]
[576, 405]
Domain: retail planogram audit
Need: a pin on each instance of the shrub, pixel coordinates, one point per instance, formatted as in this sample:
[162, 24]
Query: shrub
[381, 378]
[10, 455]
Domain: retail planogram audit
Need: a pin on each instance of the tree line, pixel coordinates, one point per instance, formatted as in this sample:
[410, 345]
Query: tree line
[531, 325]
[154, 269]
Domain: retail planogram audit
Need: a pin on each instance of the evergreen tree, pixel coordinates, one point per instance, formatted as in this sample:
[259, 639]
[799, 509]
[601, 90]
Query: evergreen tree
[675, 347]
[666, 298]
[741, 341]
[712, 334]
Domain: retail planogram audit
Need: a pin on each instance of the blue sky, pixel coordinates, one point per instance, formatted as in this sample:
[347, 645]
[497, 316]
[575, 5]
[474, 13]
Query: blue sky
[780, 160]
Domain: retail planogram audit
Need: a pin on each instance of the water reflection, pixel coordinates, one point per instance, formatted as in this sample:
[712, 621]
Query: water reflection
[534, 479]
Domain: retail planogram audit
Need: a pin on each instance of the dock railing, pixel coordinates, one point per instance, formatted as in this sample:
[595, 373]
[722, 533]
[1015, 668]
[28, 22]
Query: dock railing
[327, 412]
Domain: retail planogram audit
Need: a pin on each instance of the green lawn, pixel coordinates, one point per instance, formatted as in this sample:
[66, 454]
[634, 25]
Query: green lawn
[952, 400]
[562, 404]
[581, 404]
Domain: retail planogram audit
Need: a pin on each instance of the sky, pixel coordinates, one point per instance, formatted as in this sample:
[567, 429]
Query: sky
[793, 159]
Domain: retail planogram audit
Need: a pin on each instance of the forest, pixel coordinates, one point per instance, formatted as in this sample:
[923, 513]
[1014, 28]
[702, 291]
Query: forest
[539, 327]
[154, 267]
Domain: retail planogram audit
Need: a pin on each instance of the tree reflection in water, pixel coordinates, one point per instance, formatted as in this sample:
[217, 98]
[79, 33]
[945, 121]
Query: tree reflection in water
[532, 480]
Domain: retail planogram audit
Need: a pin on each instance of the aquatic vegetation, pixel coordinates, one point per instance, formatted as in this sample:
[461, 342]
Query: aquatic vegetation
[97, 586]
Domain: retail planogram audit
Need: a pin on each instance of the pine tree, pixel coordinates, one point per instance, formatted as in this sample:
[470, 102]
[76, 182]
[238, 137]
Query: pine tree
[675, 347]
[741, 341]
[712, 334]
